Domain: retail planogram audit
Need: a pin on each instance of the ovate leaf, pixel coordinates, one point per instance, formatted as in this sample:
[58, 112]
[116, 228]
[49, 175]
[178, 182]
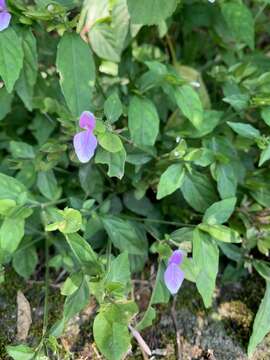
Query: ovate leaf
[171, 180]
[112, 338]
[240, 21]
[124, 235]
[219, 212]
[190, 104]
[11, 57]
[143, 121]
[245, 130]
[205, 256]
[110, 142]
[20, 352]
[151, 11]
[76, 68]
[198, 191]
[25, 84]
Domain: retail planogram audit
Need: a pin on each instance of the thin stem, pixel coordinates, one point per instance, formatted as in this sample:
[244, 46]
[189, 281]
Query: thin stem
[172, 51]
[109, 251]
[45, 317]
[157, 221]
[262, 8]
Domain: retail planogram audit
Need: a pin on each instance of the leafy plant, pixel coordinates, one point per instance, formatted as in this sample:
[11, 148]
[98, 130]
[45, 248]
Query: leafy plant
[175, 141]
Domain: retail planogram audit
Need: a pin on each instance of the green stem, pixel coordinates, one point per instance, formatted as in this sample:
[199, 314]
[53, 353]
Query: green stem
[156, 221]
[45, 317]
[172, 51]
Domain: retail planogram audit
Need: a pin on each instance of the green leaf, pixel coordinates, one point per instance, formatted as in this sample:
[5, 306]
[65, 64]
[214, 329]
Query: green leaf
[265, 155]
[108, 40]
[115, 161]
[26, 82]
[219, 212]
[124, 235]
[263, 268]
[11, 57]
[113, 107]
[110, 142]
[20, 352]
[6, 205]
[11, 234]
[265, 114]
[226, 180]
[25, 261]
[205, 256]
[112, 338]
[77, 301]
[261, 326]
[170, 180]
[160, 294]
[5, 102]
[76, 68]
[240, 21]
[221, 233]
[190, 104]
[83, 252]
[198, 191]
[119, 270]
[12, 189]
[22, 150]
[47, 185]
[71, 222]
[245, 130]
[143, 121]
[151, 11]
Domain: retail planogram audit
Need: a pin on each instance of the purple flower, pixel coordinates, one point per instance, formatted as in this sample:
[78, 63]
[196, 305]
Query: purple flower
[85, 142]
[4, 15]
[173, 275]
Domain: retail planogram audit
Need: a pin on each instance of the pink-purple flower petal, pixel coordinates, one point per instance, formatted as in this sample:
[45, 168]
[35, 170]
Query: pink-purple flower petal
[173, 278]
[3, 5]
[85, 144]
[177, 257]
[5, 18]
[87, 121]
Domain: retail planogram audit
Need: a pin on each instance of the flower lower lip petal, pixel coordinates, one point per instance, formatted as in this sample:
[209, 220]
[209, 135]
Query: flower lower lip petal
[173, 278]
[85, 144]
[5, 18]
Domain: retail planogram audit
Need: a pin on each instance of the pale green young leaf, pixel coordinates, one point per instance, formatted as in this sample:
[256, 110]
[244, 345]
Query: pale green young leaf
[221, 233]
[110, 142]
[20, 352]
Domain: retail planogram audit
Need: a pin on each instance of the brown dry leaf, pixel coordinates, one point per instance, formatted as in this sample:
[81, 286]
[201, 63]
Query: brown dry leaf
[24, 318]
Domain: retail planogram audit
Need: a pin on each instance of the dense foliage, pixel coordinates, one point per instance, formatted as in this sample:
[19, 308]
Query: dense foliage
[181, 96]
